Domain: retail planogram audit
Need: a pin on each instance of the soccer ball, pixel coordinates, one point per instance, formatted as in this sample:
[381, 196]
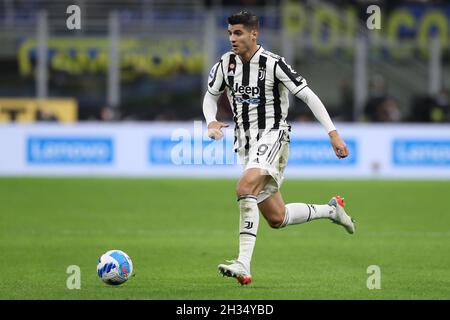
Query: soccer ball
[114, 267]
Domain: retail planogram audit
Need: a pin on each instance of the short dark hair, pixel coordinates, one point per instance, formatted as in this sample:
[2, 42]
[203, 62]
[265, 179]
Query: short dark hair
[247, 19]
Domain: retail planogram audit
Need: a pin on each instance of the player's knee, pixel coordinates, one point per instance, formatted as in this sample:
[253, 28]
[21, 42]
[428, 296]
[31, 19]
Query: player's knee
[275, 219]
[275, 222]
[243, 189]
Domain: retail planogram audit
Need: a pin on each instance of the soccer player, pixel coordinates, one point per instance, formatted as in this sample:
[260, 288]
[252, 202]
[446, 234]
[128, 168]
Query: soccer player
[257, 84]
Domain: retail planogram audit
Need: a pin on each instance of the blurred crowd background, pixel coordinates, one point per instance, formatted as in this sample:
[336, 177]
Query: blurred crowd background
[145, 60]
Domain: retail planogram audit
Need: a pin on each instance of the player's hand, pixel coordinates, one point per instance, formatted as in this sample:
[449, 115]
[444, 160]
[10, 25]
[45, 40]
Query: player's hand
[339, 146]
[214, 129]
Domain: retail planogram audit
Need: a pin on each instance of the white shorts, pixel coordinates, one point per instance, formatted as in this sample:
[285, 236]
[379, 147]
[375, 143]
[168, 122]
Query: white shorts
[270, 154]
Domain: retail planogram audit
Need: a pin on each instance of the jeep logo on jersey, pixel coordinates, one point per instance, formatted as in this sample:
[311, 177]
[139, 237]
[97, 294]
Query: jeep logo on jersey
[246, 89]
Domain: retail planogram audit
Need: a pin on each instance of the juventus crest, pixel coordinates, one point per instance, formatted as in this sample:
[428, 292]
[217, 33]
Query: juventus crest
[261, 73]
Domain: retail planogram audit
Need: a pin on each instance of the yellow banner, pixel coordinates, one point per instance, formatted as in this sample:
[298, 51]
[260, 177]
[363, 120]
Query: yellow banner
[86, 55]
[32, 110]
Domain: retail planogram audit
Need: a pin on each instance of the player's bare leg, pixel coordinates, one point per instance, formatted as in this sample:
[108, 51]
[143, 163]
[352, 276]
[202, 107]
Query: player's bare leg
[279, 215]
[249, 186]
[273, 209]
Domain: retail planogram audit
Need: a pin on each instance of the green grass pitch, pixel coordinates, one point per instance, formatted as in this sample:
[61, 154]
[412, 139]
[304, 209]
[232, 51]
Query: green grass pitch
[178, 231]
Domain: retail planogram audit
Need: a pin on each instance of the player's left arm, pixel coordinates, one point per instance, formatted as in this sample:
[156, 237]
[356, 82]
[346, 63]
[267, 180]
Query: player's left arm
[321, 114]
[298, 86]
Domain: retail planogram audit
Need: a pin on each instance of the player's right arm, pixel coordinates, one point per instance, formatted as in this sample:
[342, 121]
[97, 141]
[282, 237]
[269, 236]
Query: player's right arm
[216, 85]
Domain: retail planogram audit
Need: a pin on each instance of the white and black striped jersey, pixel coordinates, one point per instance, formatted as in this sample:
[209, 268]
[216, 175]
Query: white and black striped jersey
[257, 91]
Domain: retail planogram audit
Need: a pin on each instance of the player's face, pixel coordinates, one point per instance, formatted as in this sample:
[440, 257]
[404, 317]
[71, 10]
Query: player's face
[242, 40]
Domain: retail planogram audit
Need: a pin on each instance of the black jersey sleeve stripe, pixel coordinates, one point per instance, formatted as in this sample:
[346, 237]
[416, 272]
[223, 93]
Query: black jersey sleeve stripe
[300, 90]
[214, 94]
[290, 73]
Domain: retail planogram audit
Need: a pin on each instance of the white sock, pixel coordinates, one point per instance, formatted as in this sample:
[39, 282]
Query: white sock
[301, 212]
[248, 227]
